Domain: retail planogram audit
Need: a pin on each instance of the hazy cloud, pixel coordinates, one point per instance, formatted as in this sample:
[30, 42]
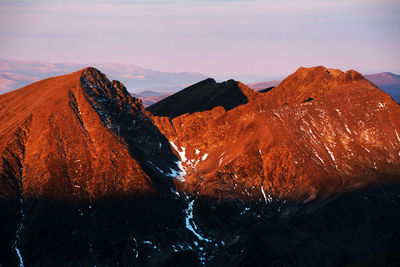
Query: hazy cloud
[213, 37]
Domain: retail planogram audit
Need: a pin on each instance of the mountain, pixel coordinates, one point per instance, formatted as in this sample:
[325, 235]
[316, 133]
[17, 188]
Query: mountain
[306, 174]
[316, 123]
[72, 146]
[202, 96]
[384, 78]
[388, 82]
[15, 74]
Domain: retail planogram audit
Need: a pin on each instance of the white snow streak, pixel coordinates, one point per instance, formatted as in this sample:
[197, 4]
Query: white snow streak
[221, 159]
[397, 135]
[179, 175]
[347, 128]
[265, 197]
[21, 262]
[190, 224]
[330, 153]
[316, 154]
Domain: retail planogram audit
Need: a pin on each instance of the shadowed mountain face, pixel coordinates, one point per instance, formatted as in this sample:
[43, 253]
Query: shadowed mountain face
[202, 96]
[300, 175]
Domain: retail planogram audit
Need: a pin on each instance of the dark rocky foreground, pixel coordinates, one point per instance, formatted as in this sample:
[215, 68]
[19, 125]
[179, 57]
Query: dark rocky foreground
[354, 228]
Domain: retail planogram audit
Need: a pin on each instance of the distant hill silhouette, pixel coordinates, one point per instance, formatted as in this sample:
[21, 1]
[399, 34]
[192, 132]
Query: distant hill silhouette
[202, 96]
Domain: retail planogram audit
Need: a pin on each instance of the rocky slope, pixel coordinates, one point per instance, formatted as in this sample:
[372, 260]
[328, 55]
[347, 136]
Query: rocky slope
[306, 174]
[314, 134]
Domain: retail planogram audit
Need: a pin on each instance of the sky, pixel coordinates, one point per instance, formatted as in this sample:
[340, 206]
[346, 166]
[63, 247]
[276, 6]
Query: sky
[219, 38]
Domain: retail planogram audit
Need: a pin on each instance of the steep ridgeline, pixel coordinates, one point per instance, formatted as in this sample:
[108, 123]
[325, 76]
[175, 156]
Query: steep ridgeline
[203, 96]
[306, 174]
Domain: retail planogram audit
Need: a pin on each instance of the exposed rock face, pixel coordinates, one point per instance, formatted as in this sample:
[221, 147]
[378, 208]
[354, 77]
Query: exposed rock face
[202, 96]
[78, 133]
[89, 177]
[281, 146]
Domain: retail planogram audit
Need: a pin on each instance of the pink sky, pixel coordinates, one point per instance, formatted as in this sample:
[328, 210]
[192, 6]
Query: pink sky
[218, 38]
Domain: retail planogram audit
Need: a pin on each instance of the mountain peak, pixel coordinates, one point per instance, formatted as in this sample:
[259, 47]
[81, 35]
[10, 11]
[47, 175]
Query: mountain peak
[319, 82]
[202, 96]
[86, 128]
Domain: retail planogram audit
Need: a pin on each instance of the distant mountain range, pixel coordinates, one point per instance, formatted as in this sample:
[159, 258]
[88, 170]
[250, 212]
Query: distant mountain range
[149, 85]
[151, 97]
[388, 82]
[15, 74]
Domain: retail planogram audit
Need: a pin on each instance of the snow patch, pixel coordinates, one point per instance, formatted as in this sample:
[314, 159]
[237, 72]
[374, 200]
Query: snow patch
[182, 154]
[179, 175]
[381, 105]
